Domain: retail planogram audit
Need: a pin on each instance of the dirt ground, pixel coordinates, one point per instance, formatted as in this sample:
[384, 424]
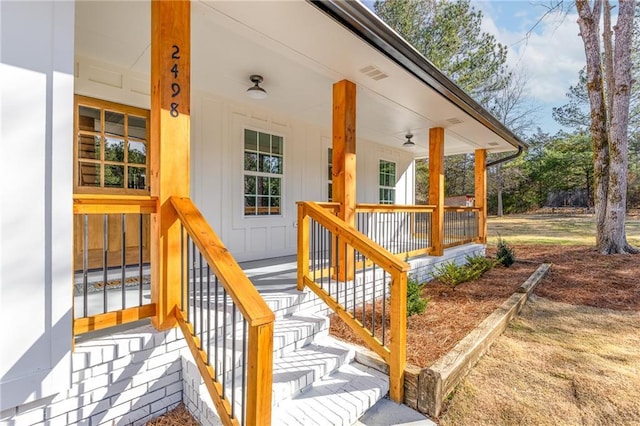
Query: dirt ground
[556, 364]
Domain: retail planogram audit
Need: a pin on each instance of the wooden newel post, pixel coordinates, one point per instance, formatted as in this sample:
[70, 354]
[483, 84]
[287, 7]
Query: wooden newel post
[481, 192]
[169, 148]
[344, 166]
[436, 188]
[398, 345]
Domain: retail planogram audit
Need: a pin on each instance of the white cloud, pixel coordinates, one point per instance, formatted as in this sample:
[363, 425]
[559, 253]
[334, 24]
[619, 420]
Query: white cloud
[550, 55]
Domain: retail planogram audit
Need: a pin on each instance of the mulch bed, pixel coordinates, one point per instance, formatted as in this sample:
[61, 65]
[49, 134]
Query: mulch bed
[582, 276]
[579, 276]
[179, 416]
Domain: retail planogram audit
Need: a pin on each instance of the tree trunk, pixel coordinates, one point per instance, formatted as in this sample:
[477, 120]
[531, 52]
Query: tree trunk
[615, 238]
[589, 22]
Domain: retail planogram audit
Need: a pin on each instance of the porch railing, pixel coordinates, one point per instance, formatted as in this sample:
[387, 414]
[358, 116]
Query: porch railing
[403, 230]
[361, 281]
[461, 225]
[111, 246]
[226, 323]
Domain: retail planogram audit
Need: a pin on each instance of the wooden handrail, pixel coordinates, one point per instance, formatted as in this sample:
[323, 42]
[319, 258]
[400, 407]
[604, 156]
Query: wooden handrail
[253, 307]
[357, 240]
[96, 204]
[395, 354]
[393, 208]
[461, 209]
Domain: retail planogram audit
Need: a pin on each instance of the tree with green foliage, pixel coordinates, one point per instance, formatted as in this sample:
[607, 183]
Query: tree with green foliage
[449, 34]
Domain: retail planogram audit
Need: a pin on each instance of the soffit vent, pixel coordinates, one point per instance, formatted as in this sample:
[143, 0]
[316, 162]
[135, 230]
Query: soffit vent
[493, 144]
[453, 120]
[373, 72]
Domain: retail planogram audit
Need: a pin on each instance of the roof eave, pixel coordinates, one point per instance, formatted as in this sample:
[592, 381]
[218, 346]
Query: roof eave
[356, 17]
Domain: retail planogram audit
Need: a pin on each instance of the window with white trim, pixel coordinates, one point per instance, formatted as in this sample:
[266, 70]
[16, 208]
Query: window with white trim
[387, 180]
[263, 172]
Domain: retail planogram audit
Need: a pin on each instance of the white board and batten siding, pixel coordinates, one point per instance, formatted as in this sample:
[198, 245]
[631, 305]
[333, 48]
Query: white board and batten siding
[36, 218]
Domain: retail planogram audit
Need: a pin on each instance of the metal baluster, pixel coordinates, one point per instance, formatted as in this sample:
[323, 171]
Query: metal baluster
[123, 258]
[244, 370]
[224, 340]
[215, 330]
[105, 249]
[384, 305]
[233, 360]
[314, 263]
[208, 314]
[373, 303]
[201, 299]
[140, 259]
[182, 266]
[188, 277]
[193, 301]
[85, 264]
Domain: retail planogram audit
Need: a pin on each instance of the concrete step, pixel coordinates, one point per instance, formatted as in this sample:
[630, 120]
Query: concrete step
[296, 371]
[337, 399]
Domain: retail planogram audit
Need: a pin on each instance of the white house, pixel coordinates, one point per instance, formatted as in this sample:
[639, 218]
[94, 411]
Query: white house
[118, 118]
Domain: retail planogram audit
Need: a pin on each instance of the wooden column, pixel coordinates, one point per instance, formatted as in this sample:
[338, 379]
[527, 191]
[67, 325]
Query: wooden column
[436, 188]
[344, 164]
[481, 192]
[169, 148]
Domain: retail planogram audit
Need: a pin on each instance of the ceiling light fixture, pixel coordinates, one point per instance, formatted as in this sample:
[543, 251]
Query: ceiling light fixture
[256, 92]
[409, 143]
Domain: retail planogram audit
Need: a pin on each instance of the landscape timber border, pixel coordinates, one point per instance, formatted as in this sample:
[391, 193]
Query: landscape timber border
[426, 389]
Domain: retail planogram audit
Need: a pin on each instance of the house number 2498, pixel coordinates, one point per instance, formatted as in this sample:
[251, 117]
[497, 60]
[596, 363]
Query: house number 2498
[175, 86]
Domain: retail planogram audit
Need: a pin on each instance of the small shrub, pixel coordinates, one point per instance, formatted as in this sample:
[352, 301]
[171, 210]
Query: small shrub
[416, 304]
[480, 263]
[505, 254]
[452, 274]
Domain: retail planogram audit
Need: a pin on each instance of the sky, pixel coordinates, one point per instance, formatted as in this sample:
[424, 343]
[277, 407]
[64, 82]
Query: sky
[550, 52]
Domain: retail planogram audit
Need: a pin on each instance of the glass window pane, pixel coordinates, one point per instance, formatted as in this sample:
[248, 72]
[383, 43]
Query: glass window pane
[250, 140]
[89, 119]
[263, 186]
[250, 185]
[264, 143]
[274, 205]
[265, 163]
[89, 174]
[274, 185]
[114, 150]
[330, 192]
[276, 165]
[276, 145]
[250, 161]
[113, 176]
[137, 127]
[250, 206]
[263, 205]
[137, 152]
[114, 123]
[89, 147]
[137, 178]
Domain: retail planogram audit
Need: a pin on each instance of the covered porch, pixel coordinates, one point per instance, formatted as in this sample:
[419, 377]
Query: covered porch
[318, 170]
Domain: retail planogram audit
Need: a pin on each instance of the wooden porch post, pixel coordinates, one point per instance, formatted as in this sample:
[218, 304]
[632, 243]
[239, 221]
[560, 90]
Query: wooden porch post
[344, 164]
[436, 188]
[481, 192]
[169, 149]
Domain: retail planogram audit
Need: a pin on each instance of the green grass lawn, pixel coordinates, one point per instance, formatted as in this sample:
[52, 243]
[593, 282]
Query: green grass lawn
[549, 229]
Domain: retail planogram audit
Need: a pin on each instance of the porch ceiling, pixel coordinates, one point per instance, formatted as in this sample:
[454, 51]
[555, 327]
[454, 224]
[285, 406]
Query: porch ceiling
[300, 52]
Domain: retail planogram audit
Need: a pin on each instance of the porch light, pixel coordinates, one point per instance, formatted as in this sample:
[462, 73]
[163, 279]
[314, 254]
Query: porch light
[256, 92]
[409, 143]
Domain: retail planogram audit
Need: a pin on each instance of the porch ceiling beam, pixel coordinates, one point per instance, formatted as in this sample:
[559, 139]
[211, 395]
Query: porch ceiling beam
[481, 192]
[436, 188]
[169, 148]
